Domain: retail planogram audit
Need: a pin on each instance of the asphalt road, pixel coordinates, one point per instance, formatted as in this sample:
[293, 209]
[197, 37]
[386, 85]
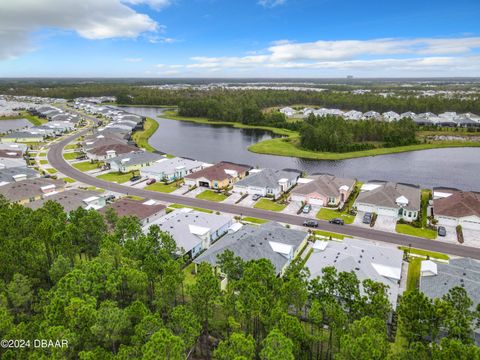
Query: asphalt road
[55, 158]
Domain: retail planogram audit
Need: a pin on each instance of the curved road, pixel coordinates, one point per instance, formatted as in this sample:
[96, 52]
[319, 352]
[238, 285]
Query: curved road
[55, 158]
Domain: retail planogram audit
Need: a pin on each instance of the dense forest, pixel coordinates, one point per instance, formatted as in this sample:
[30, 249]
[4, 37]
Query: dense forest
[116, 293]
[334, 134]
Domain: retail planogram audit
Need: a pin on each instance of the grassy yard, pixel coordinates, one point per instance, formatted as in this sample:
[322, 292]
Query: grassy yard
[211, 196]
[161, 187]
[72, 155]
[254, 220]
[86, 166]
[134, 197]
[69, 180]
[413, 277]
[425, 253]
[42, 154]
[71, 147]
[330, 234]
[189, 276]
[266, 204]
[115, 177]
[141, 137]
[43, 162]
[179, 206]
[51, 171]
[327, 214]
[420, 232]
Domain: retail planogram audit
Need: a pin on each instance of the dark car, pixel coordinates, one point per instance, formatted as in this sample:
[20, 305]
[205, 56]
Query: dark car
[441, 231]
[135, 178]
[255, 197]
[310, 223]
[109, 198]
[81, 157]
[337, 221]
[151, 181]
[367, 218]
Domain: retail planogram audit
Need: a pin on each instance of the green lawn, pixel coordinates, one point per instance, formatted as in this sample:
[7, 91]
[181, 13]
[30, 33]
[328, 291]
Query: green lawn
[42, 154]
[72, 155]
[180, 206]
[134, 197]
[327, 214]
[189, 276]
[413, 277]
[161, 187]
[425, 253]
[266, 204]
[254, 220]
[71, 147]
[43, 162]
[330, 234]
[86, 166]
[141, 137]
[420, 232]
[115, 177]
[51, 171]
[211, 196]
[69, 180]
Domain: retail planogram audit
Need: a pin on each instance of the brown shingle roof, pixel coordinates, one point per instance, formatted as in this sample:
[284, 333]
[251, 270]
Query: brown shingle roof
[118, 148]
[387, 194]
[26, 189]
[459, 204]
[4, 153]
[217, 171]
[130, 207]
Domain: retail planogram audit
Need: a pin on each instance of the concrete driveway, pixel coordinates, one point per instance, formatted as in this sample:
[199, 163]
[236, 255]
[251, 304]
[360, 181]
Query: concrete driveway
[359, 220]
[470, 237]
[292, 208]
[195, 192]
[232, 199]
[247, 202]
[181, 190]
[386, 223]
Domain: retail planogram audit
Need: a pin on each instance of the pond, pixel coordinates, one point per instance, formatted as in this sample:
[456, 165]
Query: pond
[450, 167]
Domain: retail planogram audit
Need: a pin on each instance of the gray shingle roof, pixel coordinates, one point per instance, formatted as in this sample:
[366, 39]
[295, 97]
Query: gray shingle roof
[268, 178]
[139, 157]
[327, 185]
[387, 194]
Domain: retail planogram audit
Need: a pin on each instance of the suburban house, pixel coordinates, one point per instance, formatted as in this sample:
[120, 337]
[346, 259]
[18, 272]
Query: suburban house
[408, 114]
[353, 115]
[458, 208]
[172, 169]
[98, 140]
[267, 182]
[324, 190]
[22, 136]
[11, 158]
[401, 201]
[193, 231]
[72, 199]
[146, 211]
[390, 116]
[270, 241]
[133, 161]
[218, 176]
[105, 152]
[380, 263]
[287, 111]
[30, 190]
[16, 174]
[371, 115]
[14, 147]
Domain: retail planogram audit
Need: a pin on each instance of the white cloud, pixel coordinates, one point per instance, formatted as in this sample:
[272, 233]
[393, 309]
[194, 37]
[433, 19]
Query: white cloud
[154, 4]
[133, 60]
[91, 19]
[271, 3]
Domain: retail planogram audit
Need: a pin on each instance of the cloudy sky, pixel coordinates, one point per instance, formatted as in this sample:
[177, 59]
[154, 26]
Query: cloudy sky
[239, 38]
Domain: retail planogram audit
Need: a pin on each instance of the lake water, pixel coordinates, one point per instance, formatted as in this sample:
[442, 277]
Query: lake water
[14, 124]
[451, 167]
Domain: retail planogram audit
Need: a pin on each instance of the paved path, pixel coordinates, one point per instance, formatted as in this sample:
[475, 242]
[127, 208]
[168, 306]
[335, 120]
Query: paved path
[55, 159]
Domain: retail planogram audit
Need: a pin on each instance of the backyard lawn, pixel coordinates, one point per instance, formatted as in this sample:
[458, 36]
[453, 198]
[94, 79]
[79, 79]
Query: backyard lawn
[266, 204]
[42, 154]
[211, 196]
[327, 214]
[71, 156]
[420, 232]
[413, 277]
[86, 166]
[161, 187]
[115, 177]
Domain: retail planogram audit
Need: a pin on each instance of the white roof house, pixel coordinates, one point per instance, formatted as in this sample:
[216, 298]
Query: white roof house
[353, 115]
[287, 111]
[171, 169]
[390, 116]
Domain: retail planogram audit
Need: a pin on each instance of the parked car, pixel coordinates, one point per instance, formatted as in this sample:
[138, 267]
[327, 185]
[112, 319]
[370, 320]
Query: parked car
[367, 218]
[307, 208]
[255, 197]
[441, 231]
[109, 198]
[337, 221]
[82, 157]
[151, 181]
[135, 178]
[310, 223]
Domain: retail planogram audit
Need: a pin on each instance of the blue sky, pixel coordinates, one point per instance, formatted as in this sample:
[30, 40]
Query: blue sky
[239, 38]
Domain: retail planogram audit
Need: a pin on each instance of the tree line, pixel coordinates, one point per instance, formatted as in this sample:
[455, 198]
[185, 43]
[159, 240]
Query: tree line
[114, 292]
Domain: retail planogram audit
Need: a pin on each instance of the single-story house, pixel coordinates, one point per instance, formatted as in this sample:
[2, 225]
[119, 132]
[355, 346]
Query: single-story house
[458, 208]
[218, 176]
[133, 161]
[193, 231]
[371, 115]
[11, 158]
[267, 182]
[353, 115]
[287, 111]
[390, 116]
[171, 169]
[72, 199]
[14, 147]
[146, 211]
[380, 263]
[408, 114]
[98, 140]
[401, 201]
[30, 190]
[270, 241]
[22, 137]
[109, 151]
[16, 174]
[324, 190]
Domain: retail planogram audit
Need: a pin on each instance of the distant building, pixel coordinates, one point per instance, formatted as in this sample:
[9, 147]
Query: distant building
[30, 190]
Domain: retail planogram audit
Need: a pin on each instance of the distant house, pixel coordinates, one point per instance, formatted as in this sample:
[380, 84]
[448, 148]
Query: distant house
[146, 211]
[72, 200]
[11, 158]
[270, 241]
[353, 115]
[30, 190]
[458, 208]
[267, 182]
[367, 260]
[371, 115]
[171, 169]
[16, 174]
[193, 231]
[218, 176]
[408, 114]
[105, 152]
[22, 137]
[390, 116]
[287, 111]
[401, 201]
[133, 161]
[324, 190]
[98, 140]
[14, 147]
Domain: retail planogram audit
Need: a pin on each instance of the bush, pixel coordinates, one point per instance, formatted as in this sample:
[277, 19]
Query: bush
[459, 233]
